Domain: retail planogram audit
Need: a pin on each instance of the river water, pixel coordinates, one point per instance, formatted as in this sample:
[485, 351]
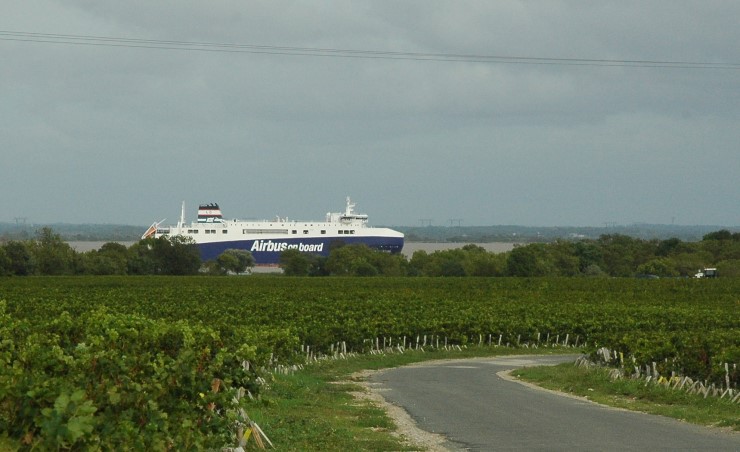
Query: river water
[495, 247]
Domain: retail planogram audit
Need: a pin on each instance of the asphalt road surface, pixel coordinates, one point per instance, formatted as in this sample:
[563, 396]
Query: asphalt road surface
[476, 409]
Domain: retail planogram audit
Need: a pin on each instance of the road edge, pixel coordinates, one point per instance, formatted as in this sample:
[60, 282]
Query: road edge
[406, 427]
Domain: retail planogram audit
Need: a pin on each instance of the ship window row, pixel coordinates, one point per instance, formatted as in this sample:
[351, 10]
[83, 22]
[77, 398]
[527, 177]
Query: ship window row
[207, 231]
[265, 231]
[346, 231]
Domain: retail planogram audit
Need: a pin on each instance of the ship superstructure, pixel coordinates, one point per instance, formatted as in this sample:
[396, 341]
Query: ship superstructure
[266, 239]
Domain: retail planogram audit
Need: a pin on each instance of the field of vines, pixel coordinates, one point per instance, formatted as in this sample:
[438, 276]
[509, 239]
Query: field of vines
[154, 362]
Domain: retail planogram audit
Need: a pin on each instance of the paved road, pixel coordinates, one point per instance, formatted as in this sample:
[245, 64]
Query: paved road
[467, 402]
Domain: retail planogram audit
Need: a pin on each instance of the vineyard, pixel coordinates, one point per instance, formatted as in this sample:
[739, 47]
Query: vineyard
[154, 362]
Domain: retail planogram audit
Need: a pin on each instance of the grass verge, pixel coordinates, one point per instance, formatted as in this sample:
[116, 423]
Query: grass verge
[594, 384]
[314, 409]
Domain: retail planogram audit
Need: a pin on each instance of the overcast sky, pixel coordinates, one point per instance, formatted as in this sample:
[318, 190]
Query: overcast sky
[122, 133]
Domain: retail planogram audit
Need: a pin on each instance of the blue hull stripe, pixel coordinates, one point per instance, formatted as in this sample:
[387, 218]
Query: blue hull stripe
[267, 252]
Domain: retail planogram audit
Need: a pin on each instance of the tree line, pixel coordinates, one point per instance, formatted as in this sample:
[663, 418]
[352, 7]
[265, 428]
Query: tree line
[610, 255]
[48, 254]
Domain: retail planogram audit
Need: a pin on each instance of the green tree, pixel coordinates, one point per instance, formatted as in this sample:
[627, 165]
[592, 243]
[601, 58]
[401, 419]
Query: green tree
[226, 262]
[364, 268]
[562, 256]
[388, 264]
[418, 261]
[236, 261]
[54, 256]
[452, 267]
[22, 261]
[594, 270]
[476, 261]
[111, 259]
[361, 260]
[668, 247]
[4, 262]
[318, 266]
[485, 264]
[729, 268]
[529, 260]
[722, 234]
[589, 255]
[451, 262]
[164, 255]
[722, 245]
[470, 260]
[621, 254]
[344, 260]
[295, 263]
[142, 259]
[95, 263]
[178, 255]
[659, 266]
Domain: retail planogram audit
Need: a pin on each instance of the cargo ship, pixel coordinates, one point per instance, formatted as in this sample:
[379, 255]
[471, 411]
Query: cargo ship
[267, 239]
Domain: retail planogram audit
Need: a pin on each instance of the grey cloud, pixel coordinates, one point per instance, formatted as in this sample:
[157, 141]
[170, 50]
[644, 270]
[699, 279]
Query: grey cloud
[122, 135]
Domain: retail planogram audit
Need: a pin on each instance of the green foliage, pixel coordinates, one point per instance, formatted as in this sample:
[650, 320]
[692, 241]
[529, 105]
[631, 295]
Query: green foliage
[668, 247]
[610, 255]
[113, 381]
[529, 260]
[117, 362]
[722, 234]
[4, 262]
[347, 260]
[176, 255]
[235, 261]
[54, 256]
[69, 420]
[361, 260]
[659, 267]
[622, 254]
[729, 268]
[470, 260]
[589, 255]
[564, 260]
[110, 259]
[296, 263]
[22, 262]
[479, 262]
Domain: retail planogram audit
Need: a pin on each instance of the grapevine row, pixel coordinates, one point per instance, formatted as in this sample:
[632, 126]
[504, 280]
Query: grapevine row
[78, 355]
